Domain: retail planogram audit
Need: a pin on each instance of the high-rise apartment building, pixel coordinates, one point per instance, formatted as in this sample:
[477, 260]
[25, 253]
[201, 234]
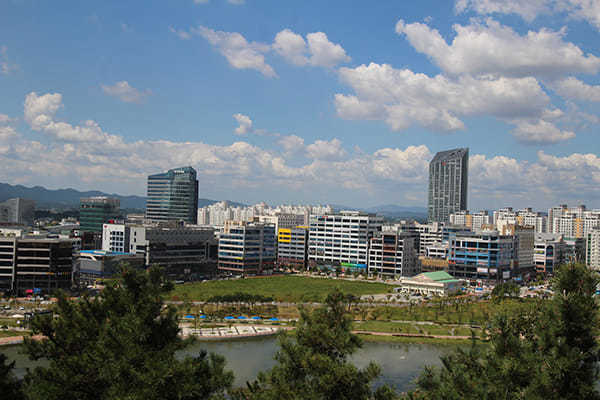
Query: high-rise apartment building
[448, 184]
[96, 211]
[17, 211]
[173, 196]
[342, 239]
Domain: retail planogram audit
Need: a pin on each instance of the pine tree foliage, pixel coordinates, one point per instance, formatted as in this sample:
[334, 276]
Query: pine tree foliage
[312, 363]
[120, 345]
[10, 387]
[547, 352]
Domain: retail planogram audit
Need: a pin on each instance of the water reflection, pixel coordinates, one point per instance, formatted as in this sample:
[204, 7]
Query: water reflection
[400, 363]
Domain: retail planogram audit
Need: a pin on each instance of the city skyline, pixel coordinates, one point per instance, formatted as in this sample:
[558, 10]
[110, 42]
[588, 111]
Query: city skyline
[269, 102]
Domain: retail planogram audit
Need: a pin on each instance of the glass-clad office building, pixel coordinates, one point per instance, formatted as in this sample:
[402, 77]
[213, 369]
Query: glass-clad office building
[173, 196]
[95, 211]
[448, 184]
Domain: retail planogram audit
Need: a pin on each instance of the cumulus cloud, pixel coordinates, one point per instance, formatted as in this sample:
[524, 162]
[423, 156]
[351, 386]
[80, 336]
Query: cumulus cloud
[4, 119]
[86, 158]
[540, 132]
[588, 10]
[291, 144]
[125, 92]
[240, 53]
[492, 48]
[402, 98]
[573, 88]
[326, 150]
[245, 124]
[316, 50]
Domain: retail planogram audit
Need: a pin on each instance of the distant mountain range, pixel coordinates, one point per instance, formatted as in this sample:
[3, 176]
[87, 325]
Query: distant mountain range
[69, 198]
[390, 211]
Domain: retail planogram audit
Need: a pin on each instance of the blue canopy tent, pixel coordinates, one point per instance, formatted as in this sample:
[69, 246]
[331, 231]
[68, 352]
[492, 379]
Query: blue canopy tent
[189, 316]
[255, 317]
[274, 319]
[202, 316]
[229, 318]
[241, 317]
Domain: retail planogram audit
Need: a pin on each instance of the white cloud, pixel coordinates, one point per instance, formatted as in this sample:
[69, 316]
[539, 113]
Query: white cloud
[588, 10]
[573, 88]
[240, 53]
[245, 124]
[316, 50]
[528, 10]
[291, 144]
[181, 34]
[40, 115]
[324, 53]
[125, 92]
[402, 98]
[201, 1]
[291, 46]
[236, 2]
[540, 132]
[85, 156]
[4, 119]
[6, 67]
[326, 150]
[492, 48]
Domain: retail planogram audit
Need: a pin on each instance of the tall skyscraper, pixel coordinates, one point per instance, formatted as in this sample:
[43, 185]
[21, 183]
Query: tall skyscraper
[173, 196]
[448, 184]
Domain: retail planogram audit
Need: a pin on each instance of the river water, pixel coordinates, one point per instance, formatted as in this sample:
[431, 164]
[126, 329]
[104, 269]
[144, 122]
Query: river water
[400, 363]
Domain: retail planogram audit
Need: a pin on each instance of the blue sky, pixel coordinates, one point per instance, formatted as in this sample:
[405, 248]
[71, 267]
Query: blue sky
[304, 101]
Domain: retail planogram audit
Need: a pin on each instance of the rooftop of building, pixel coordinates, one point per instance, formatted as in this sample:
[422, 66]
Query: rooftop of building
[437, 277]
[450, 154]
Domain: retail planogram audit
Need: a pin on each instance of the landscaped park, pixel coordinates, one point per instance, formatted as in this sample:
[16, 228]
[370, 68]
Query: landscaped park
[286, 288]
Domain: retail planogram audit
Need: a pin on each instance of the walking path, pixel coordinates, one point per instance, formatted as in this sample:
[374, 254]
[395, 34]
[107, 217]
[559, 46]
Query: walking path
[12, 340]
[412, 335]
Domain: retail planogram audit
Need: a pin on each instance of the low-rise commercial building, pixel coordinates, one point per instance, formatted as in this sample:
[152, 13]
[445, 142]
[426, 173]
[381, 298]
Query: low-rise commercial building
[549, 252]
[97, 264]
[393, 254]
[486, 255]
[592, 250]
[185, 251]
[341, 239]
[292, 247]
[246, 248]
[39, 263]
[438, 283]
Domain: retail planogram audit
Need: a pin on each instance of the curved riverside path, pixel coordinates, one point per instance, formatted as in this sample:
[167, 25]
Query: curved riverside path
[12, 340]
[414, 335]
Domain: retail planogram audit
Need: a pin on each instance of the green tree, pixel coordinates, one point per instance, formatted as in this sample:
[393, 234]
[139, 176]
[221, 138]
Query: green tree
[313, 363]
[545, 351]
[506, 289]
[10, 387]
[120, 345]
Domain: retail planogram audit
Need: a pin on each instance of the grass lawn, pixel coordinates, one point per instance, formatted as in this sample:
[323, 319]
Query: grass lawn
[281, 288]
[396, 327]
